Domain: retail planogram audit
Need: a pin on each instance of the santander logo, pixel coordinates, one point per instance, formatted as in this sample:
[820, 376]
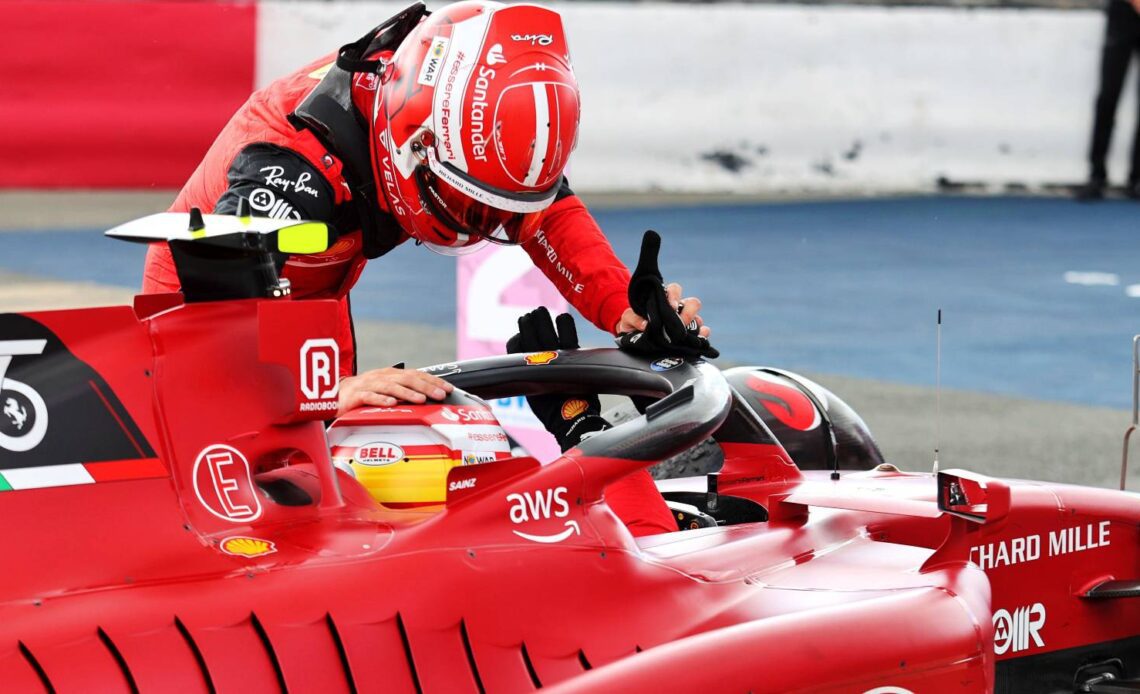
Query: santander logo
[495, 55]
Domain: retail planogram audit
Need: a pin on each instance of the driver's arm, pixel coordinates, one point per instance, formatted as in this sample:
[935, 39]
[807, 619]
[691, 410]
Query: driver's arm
[574, 254]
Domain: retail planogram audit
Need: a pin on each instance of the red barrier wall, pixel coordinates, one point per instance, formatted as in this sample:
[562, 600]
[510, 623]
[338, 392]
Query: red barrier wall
[118, 94]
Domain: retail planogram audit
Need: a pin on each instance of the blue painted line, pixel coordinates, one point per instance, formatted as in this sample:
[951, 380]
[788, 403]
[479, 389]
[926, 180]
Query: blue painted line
[848, 287]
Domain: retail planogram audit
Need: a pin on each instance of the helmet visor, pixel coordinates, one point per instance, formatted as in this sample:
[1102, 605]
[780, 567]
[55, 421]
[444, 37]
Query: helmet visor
[475, 212]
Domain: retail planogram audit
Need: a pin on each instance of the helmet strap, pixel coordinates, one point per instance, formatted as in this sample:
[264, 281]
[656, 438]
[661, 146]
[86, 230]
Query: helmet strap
[351, 56]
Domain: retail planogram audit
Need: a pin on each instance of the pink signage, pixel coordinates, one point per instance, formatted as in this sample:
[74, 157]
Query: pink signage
[496, 286]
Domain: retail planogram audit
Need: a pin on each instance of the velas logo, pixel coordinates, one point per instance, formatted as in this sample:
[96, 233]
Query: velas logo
[379, 453]
[391, 189]
[224, 485]
[24, 414]
[786, 403]
[248, 547]
[541, 358]
[320, 367]
[573, 408]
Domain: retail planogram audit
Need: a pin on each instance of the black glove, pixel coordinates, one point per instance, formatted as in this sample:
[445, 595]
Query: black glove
[568, 416]
[665, 334]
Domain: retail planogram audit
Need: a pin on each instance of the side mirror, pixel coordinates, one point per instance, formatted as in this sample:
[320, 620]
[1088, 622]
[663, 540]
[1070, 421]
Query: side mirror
[976, 498]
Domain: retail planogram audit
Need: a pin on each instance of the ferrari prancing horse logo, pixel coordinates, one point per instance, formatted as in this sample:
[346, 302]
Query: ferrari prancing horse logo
[24, 414]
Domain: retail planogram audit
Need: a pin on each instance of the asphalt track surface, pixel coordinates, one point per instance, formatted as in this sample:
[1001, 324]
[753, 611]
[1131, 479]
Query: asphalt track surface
[844, 290]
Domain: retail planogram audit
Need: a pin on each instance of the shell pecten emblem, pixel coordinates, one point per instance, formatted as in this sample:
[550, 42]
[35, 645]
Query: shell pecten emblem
[541, 358]
[249, 547]
[573, 408]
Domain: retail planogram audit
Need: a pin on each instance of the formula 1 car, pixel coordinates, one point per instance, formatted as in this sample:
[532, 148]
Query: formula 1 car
[175, 521]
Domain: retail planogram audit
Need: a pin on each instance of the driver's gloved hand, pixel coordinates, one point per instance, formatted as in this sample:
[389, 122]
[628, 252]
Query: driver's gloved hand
[665, 334]
[568, 416]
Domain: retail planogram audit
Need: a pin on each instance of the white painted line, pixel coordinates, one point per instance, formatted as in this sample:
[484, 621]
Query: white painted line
[1092, 279]
[1132, 290]
[48, 476]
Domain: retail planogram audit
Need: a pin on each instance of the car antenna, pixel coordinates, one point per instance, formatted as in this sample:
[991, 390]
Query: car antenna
[937, 388]
[196, 222]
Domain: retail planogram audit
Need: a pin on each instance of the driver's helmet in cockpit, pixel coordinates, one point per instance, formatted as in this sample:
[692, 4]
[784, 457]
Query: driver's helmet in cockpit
[801, 413]
[403, 454]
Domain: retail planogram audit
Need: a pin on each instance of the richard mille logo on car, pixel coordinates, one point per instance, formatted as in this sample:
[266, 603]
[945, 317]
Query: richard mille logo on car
[542, 505]
[1020, 550]
[23, 412]
[1019, 630]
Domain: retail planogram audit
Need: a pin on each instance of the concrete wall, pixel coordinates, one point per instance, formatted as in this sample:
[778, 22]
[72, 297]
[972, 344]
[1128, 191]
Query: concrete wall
[768, 98]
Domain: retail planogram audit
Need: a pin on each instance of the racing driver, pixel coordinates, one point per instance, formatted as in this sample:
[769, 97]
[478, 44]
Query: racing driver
[452, 129]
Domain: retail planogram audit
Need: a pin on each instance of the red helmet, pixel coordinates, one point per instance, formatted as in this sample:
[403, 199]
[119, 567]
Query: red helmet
[473, 124]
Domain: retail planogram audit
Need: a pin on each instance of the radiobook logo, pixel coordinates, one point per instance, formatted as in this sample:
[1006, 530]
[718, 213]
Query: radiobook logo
[320, 366]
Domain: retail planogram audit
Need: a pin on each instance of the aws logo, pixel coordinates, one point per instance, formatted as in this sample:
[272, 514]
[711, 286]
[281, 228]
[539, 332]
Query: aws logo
[542, 505]
[784, 402]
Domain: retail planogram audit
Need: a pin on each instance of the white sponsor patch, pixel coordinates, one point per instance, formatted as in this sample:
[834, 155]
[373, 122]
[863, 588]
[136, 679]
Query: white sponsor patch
[379, 453]
[478, 457]
[433, 62]
[1092, 279]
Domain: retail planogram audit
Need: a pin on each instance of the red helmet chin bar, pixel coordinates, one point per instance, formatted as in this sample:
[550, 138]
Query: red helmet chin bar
[473, 124]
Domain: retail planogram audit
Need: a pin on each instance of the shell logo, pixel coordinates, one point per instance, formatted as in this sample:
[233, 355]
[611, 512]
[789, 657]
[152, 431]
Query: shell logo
[241, 546]
[541, 358]
[573, 408]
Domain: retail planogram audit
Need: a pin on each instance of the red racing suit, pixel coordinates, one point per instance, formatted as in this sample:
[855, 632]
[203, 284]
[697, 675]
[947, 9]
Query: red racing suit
[286, 172]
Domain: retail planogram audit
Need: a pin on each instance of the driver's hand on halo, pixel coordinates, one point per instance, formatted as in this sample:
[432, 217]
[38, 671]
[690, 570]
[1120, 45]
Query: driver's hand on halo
[389, 386]
[689, 306]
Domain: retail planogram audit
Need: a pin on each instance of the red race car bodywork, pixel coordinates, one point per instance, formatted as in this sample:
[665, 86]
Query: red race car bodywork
[174, 521]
